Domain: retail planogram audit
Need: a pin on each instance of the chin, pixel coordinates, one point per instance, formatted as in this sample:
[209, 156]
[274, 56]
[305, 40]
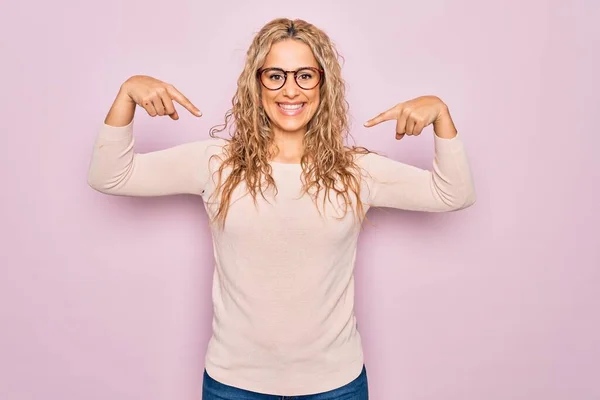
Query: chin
[290, 127]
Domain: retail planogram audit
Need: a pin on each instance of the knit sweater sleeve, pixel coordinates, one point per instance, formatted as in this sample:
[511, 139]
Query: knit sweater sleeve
[448, 186]
[117, 169]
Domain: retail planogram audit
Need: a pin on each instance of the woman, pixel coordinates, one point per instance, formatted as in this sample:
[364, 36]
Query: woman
[285, 199]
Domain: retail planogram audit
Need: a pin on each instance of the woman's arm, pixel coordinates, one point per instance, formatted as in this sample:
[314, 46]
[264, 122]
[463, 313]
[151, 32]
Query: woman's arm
[447, 187]
[116, 168]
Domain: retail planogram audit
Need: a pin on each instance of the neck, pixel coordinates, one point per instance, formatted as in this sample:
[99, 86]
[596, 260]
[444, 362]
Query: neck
[289, 146]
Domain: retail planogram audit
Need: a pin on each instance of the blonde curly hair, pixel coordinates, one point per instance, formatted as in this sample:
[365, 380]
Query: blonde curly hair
[327, 164]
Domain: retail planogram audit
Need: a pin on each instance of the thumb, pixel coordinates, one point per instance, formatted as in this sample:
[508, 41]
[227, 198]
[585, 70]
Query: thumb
[174, 116]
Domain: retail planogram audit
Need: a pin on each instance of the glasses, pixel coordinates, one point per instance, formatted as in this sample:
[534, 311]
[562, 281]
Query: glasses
[274, 78]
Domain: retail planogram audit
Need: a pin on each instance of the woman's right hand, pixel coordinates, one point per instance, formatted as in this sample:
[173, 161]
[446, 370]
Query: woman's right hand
[156, 97]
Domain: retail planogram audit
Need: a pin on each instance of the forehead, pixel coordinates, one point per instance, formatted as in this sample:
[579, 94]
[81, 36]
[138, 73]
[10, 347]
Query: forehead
[289, 55]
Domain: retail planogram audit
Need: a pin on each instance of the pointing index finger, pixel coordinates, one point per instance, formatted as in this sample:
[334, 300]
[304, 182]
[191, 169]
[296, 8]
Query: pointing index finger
[387, 115]
[184, 101]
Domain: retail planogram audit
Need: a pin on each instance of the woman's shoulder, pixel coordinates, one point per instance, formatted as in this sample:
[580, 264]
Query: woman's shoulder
[361, 155]
[215, 143]
[208, 146]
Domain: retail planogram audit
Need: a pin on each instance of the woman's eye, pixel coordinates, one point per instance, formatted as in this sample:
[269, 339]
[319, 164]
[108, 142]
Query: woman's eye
[275, 77]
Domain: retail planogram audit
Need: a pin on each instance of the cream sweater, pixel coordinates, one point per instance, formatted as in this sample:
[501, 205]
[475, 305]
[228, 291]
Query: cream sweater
[283, 284]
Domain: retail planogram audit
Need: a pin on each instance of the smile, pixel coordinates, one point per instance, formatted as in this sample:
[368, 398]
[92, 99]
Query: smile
[291, 109]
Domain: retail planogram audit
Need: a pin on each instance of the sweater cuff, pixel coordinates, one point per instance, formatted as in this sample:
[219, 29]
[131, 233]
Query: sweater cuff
[444, 145]
[114, 133]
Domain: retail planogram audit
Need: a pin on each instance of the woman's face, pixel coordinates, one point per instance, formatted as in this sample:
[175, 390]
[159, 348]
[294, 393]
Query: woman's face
[290, 107]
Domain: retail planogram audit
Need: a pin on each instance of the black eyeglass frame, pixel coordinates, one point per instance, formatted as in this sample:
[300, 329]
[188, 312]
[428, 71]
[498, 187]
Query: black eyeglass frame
[320, 71]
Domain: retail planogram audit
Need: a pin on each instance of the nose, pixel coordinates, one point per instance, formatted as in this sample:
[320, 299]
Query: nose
[290, 89]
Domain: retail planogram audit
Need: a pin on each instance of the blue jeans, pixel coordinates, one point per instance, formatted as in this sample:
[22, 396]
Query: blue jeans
[358, 389]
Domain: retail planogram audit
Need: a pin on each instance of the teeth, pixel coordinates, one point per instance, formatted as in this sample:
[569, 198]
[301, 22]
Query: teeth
[291, 106]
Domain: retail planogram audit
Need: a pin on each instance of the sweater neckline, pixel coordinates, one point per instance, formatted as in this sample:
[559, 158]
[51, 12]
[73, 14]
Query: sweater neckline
[285, 165]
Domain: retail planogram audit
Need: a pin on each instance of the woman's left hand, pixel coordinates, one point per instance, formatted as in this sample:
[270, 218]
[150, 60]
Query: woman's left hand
[414, 115]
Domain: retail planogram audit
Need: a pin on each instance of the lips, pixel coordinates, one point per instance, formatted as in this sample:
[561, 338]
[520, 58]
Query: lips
[291, 109]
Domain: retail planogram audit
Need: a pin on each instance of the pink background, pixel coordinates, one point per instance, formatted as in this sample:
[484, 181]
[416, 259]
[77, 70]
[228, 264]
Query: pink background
[109, 298]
